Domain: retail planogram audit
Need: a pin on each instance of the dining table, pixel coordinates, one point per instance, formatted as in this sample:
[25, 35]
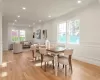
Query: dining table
[55, 51]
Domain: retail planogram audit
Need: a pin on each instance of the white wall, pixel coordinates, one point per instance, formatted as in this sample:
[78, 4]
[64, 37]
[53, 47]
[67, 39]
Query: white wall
[5, 34]
[0, 38]
[89, 48]
[28, 33]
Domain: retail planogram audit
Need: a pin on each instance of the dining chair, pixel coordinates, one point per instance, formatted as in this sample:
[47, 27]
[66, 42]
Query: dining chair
[66, 60]
[34, 51]
[53, 45]
[47, 44]
[45, 57]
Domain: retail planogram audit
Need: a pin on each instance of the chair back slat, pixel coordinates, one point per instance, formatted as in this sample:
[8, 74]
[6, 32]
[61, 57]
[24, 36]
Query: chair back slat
[68, 52]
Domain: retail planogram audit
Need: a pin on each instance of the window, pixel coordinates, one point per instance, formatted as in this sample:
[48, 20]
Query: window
[22, 35]
[14, 35]
[18, 35]
[73, 31]
[62, 33]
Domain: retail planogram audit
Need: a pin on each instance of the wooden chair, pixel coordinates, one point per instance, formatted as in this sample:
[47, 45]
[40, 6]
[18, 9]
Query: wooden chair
[66, 60]
[45, 57]
[53, 45]
[34, 51]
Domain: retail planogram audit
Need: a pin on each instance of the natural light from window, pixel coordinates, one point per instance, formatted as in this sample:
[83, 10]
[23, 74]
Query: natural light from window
[18, 35]
[62, 33]
[73, 31]
[69, 32]
[22, 35]
[14, 35]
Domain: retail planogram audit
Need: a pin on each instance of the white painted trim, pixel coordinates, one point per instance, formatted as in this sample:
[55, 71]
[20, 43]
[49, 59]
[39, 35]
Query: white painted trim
[88, 60]
[0, 54]
[91, 44]
[58, 30]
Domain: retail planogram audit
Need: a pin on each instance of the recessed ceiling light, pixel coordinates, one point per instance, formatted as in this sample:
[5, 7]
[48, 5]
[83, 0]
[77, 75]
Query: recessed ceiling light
[29, 25]
[40, 20]
[15, 20]
[79, 1]
[18, 16]
[24, 8]
[49, 16]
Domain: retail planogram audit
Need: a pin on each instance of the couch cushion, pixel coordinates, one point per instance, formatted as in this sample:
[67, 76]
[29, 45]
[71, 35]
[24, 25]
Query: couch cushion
[26, 43]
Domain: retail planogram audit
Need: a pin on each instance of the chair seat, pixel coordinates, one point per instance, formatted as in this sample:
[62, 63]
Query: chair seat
[63, 60]
[63, 56]
[47, 58]
[37, 54]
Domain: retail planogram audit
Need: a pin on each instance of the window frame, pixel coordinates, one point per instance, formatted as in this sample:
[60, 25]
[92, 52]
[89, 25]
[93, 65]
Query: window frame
[58, 33]
[18, 34]
[12, 35]
[68, 41]
[67, 33]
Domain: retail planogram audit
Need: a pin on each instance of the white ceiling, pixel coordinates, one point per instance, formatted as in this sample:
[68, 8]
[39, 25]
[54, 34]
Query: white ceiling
[38, 9]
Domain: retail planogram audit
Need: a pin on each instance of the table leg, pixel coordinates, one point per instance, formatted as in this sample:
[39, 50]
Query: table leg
[33, 53]
[56, 64]
[70, 63]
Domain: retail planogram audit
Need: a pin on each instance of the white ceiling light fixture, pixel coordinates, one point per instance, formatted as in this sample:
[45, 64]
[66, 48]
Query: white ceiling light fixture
[24, 8]
[18, 16]
[40, 20]
[15, 20]
[29, 25]
[49, 16]
[79, 1]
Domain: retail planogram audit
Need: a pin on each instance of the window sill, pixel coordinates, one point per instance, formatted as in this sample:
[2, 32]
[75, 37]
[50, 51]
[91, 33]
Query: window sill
[74, 43]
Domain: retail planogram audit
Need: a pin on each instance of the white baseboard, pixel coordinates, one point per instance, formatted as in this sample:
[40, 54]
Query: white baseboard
[88, 60]
[5, 49]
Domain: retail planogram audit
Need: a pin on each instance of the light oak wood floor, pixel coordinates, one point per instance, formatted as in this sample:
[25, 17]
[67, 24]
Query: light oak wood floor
[20, 67]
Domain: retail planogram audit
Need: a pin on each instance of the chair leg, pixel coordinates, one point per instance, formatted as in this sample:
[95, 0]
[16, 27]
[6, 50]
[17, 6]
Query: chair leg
[58, 64]
[70, 63]
[65, 70]
[45, 66]
[53, 63]
[63, 65]
[71, 68]
[41, 64]
[41, 60]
